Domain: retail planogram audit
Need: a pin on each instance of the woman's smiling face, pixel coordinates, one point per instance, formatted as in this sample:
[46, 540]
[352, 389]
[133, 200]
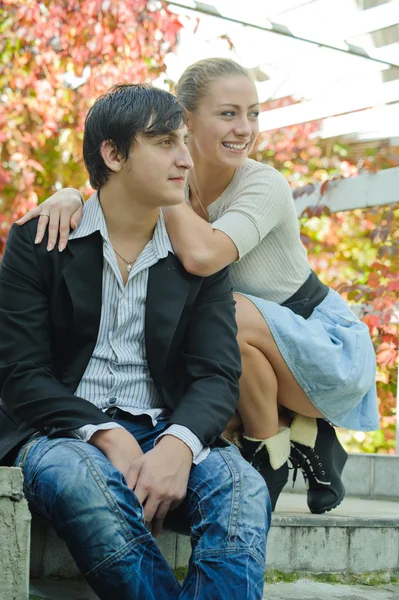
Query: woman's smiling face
[225, 126]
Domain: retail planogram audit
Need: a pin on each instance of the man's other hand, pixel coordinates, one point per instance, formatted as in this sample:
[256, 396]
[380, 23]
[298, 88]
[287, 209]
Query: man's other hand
[159, 479]
[119, 446]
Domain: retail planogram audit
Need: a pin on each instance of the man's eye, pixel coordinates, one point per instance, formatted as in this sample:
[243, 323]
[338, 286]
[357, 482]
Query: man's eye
[166, 142]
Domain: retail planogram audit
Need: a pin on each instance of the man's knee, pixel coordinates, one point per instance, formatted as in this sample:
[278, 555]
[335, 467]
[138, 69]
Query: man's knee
[236, 488]
[69, 475]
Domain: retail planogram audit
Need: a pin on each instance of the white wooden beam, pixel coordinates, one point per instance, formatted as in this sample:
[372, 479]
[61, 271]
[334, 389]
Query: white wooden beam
[368, 189]
[379, 118]
[355, 23]
[345, 101]
[276, 28]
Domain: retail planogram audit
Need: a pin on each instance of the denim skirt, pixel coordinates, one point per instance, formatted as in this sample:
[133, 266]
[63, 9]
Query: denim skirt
[332, 358]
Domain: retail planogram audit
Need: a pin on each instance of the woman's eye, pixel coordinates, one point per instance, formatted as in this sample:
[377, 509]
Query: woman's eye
[228, 113]
[255, 114]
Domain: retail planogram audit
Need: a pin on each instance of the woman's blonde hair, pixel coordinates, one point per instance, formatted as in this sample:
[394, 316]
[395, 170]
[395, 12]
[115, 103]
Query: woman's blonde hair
[193, 84]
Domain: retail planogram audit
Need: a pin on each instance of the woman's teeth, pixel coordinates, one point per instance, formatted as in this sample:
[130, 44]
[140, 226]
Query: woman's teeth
[234, 146]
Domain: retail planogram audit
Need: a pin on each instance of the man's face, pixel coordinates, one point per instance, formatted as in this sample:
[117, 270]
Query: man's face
[156, 168]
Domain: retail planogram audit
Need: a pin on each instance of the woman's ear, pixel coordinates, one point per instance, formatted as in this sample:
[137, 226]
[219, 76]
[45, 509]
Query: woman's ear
[111, 156]
[189, 122]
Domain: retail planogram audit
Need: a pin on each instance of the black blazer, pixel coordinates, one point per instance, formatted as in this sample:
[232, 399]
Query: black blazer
[50, 306]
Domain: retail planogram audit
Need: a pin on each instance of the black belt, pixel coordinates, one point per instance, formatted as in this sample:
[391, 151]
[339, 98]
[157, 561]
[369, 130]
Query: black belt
[309, 295]
[117, 414]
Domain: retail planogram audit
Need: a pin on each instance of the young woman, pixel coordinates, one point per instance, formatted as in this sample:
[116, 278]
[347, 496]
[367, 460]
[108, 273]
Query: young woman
[302, 348]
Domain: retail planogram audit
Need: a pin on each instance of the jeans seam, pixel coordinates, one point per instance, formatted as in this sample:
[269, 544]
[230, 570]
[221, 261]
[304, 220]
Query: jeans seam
[198, 583]
[201, 513]
[119, 553]
[235, 500]
[22, 462]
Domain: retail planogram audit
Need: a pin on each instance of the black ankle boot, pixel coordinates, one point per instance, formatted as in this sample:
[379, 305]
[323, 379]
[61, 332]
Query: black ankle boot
[257, 454]
[321, 467]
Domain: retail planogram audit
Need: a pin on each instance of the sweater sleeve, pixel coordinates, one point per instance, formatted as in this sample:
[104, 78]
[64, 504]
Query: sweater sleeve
[260, 202]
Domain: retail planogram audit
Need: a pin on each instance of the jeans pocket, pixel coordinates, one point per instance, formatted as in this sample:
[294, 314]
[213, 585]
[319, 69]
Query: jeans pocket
[23, 453]
[222, 442]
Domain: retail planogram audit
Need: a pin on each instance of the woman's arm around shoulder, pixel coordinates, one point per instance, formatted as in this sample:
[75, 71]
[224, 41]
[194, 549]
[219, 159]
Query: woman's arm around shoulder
[202, 250]
[258, 203]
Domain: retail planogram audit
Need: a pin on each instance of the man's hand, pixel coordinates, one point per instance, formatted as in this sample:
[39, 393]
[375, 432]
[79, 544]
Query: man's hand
[119, 446]
[159, 479]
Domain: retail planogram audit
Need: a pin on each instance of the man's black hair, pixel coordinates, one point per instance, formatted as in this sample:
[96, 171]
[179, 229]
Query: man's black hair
[119, 115]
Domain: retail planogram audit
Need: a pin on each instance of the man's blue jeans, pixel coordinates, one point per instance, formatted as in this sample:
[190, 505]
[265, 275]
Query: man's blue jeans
[86, 499]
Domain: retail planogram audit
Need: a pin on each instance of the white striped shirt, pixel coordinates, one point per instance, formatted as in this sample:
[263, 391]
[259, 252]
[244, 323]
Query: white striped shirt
[117, 374]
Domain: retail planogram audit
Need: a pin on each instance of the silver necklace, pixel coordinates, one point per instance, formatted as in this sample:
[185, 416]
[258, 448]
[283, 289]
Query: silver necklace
[129, 263]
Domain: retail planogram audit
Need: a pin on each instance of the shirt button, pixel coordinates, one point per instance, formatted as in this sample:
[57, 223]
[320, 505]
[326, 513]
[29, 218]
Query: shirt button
[112, 400]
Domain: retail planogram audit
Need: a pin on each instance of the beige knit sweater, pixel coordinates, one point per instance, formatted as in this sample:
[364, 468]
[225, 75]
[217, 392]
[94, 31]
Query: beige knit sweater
[257, 212]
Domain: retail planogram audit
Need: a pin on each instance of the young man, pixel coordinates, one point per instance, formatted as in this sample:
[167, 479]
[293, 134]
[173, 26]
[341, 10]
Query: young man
[119, 370]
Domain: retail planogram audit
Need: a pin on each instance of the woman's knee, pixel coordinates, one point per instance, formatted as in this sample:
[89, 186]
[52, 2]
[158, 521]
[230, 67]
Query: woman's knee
[252, 327]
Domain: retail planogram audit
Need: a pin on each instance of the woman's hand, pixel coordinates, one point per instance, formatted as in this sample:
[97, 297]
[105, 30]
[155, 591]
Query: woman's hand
[60, 213]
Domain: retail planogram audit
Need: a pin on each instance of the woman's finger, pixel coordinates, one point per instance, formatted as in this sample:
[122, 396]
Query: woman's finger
[42, 224]
[64, 230]
[35, 212]
[76, 217]
[53, 227]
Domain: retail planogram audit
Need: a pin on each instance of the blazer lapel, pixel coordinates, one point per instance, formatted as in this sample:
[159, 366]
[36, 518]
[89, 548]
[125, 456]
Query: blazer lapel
[83, 277]
[167, 291]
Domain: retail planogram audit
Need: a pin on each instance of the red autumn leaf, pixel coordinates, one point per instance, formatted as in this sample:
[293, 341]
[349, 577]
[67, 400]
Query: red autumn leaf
[387, 355]
[374, 280]
[393, 286]
[371, 320]
[323, 187]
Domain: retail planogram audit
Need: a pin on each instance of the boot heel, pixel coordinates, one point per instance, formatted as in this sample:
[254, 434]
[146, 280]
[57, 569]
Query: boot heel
[275, 491]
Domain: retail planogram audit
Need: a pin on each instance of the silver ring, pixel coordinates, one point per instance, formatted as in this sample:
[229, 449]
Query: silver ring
[44, 214]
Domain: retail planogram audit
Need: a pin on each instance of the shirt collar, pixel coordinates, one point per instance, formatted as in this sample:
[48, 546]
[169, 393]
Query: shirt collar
[93, 220]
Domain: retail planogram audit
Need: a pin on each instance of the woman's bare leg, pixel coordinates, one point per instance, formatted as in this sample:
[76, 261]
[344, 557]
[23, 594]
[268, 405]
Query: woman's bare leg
[266, 380]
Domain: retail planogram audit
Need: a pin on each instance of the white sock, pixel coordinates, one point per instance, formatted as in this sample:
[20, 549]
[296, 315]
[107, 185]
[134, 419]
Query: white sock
[304, 430]
[278, 447]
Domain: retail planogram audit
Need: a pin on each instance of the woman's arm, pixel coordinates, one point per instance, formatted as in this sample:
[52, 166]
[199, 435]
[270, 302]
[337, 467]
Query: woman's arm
[64, 210]
[201, 249]
[262, 201]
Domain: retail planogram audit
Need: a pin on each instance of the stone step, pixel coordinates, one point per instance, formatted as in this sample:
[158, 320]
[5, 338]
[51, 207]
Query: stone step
[360, 536]
[301, 589]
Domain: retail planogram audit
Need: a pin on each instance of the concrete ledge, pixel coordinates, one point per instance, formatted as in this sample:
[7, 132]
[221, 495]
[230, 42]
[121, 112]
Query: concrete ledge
[360, 536]
[15, 522]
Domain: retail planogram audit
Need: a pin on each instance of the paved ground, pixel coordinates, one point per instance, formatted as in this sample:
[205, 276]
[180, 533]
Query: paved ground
[311, 590]
[301, 590]
[351, 508]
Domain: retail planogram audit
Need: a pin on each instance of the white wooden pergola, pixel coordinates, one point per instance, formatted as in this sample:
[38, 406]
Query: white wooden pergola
[339, 57]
